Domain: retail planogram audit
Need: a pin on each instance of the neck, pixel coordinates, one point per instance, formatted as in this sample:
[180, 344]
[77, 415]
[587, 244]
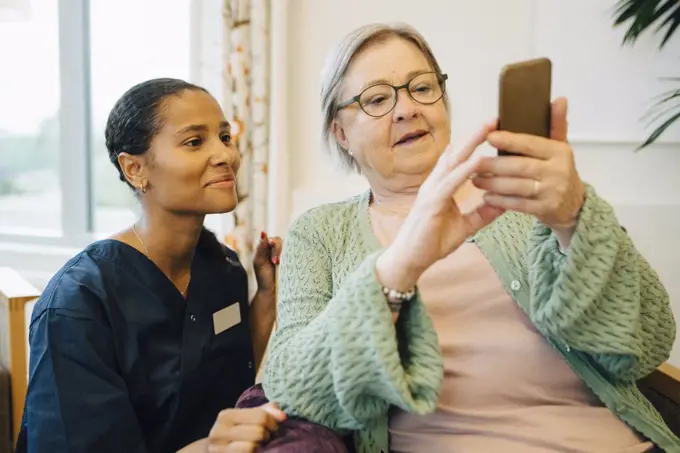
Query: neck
[395, 193]
[170, 240]
[402, 202]
[397, 202]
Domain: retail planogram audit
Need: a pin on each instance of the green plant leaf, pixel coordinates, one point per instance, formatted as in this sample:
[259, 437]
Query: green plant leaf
[669, 103]
[672, 21]
[664, 17]
[641, 15]
[628, 9]
[673, 109]
[659, 130]
[663, 10]
[655, 115]
[665, 97]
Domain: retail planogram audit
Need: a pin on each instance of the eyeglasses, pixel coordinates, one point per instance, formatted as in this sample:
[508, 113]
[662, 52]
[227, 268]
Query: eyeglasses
[379, 100]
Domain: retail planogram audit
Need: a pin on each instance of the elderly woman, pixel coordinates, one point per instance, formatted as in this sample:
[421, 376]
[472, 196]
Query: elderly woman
[494, 304]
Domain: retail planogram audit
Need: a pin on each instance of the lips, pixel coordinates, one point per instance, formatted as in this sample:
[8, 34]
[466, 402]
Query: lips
[221, 180]
[411, 137]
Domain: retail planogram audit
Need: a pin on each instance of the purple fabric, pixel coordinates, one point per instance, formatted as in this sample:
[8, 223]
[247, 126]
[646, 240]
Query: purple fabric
[295, 435]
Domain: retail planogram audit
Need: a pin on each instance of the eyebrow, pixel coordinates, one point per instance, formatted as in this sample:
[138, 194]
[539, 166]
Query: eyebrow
[202, 128]
[409, 76]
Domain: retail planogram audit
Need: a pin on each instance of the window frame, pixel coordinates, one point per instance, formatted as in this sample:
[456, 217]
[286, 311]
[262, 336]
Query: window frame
[43, 251]
[74, 134]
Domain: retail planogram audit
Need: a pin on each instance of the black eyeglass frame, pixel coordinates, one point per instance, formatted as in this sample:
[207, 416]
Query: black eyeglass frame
[441, 78]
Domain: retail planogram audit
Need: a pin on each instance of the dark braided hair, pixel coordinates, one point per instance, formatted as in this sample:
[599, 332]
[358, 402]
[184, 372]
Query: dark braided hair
[136, 117]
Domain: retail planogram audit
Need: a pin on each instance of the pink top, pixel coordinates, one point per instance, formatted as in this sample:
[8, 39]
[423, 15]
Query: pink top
[505, 388]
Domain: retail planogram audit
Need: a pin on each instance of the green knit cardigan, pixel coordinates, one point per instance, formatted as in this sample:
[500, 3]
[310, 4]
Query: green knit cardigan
[334, 358]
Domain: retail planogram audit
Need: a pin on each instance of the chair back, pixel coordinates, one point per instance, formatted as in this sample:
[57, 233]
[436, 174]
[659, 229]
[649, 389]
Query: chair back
[17, 297]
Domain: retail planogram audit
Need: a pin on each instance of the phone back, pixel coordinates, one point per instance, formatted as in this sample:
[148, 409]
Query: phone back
[524, 97]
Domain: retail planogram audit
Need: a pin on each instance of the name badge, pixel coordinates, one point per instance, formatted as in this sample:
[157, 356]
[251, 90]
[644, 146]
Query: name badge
[227, 318]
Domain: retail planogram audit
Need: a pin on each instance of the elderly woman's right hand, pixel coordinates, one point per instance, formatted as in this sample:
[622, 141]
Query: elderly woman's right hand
[435, 227]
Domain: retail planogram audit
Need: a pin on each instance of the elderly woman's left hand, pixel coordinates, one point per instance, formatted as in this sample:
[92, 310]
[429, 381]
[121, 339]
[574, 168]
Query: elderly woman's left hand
[541, 179]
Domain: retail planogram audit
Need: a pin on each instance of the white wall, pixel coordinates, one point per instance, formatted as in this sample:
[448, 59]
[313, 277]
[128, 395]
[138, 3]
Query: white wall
[609, 88]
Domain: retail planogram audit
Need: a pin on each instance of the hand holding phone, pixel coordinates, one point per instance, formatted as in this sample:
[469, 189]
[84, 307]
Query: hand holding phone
[541, 177]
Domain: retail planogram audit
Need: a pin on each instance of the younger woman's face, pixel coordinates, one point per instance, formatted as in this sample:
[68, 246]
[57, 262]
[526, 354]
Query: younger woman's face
[192, 163]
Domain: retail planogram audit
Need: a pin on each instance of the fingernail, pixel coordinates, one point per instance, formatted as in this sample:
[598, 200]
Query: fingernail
[275, 412]
[271, 242]
[275, 260]
[263, 235]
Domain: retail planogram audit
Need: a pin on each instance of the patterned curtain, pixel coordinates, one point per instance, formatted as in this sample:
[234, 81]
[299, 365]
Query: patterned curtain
[246, 103]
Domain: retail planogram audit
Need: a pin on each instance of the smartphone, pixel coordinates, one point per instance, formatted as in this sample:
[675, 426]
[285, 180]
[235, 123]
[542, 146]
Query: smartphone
[524, 98]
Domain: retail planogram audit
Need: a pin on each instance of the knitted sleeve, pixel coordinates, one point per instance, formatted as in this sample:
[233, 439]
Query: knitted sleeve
[602, 298]
[334, 358]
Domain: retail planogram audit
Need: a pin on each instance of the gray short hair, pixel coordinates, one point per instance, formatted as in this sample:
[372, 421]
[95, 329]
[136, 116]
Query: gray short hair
[339, 60]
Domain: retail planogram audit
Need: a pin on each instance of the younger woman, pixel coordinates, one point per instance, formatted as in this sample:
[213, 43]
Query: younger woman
[142, 342]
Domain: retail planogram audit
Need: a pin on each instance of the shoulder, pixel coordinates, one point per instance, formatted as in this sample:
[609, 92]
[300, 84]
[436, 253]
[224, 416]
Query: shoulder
[325, 234]
[220, 263]
[329, 219]
[212, 249]
[77, 287]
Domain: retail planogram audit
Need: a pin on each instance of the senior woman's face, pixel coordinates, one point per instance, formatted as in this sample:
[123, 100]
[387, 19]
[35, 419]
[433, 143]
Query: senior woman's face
[378, 144]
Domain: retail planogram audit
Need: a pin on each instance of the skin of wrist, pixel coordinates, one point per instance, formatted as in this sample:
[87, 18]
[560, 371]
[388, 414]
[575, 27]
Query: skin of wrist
[395, 271]
[266, 292]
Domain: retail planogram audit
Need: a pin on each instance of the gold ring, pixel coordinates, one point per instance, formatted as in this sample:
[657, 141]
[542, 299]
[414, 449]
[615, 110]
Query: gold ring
[537, 187]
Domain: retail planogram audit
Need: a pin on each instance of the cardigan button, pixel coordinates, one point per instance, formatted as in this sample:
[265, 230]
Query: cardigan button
[515, 285]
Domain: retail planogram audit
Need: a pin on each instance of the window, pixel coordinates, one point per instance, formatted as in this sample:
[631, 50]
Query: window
[67, 63]
[30, 190]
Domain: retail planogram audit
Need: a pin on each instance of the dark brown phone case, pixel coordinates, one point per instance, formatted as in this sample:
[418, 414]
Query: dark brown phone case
[524, 98]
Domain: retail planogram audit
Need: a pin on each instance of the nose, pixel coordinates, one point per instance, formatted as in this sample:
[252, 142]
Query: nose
[405, 107]
[223, 154]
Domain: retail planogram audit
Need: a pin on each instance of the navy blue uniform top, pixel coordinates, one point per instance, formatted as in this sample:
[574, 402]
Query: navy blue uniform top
[120, 362]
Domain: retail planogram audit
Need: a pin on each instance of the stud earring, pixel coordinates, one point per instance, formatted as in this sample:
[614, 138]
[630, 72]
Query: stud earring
[144, 187]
